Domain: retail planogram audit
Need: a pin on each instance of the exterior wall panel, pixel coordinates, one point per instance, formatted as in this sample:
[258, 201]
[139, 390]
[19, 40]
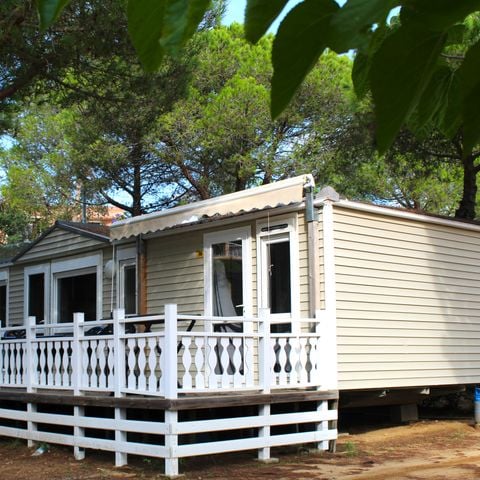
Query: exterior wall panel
[175, 272]
[59, 243]
[15, 296]
[408, 302]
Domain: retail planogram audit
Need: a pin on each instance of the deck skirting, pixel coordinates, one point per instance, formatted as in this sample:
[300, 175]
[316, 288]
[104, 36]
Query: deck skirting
[171, 429]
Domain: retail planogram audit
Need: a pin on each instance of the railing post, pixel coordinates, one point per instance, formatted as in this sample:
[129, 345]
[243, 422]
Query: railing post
[170, 371]
[120, 374]
[78, 319]
[264, 350]
[170, 354]
[119, 350]
[265, 377]
[30, 376]
[28, 367]
[77, 365]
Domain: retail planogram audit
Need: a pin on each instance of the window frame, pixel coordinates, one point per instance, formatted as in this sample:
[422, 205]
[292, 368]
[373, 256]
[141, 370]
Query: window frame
[122, 265]
[36, 270]
[210, 239]
[126, 256]
[72, 268]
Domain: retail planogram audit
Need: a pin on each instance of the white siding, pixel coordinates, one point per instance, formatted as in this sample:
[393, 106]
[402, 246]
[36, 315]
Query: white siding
[408, 302]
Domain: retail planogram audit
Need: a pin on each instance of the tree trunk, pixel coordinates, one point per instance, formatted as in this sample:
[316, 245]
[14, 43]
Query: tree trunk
[467, 204]
[136, 155]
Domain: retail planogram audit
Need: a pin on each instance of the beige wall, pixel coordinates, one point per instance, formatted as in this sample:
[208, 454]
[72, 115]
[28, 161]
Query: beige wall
[408, 302]
[176, 273]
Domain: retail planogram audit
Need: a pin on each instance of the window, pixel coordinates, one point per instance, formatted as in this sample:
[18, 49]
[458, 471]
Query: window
[279, 277]
[77, 293]
[227, 279]
[36, 296]
[3, 303]
[127, 290]
[36, 292]
[227, 273]
[128, 287]
[77, 287]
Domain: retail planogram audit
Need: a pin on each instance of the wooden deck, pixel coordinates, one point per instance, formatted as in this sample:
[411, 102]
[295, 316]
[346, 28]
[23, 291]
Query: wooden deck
[184, 402]
[169, 392]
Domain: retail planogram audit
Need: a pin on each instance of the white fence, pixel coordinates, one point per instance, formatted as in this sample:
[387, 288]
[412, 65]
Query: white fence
[167, 356]
[168, 360]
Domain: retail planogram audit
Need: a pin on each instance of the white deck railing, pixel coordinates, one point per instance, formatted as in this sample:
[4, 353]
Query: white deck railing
[166, 361]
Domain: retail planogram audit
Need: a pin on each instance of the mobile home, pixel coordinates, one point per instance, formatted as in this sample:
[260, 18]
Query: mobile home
[233, 323]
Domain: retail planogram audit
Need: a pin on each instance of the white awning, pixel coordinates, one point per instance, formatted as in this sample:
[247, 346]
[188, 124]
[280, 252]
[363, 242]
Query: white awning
[284, 192]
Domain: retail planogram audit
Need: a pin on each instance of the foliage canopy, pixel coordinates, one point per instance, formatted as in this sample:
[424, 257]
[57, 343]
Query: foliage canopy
[400, 64]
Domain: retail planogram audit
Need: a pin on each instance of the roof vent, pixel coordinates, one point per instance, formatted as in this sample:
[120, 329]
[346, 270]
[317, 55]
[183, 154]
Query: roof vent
[328, 193]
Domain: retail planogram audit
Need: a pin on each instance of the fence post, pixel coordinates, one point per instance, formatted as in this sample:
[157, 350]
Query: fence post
[265, 377]
[264, 350]
[30, 377]
[78, 319]
[30, 370]
[77, 365]
[120, 374]
[170, 371]
[119, 350]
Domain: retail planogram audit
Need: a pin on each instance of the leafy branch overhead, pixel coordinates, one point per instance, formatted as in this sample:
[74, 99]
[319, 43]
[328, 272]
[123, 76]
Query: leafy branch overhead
[402, 53]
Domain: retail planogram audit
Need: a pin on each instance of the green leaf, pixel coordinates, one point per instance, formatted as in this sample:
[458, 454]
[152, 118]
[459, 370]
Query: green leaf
[401, 70]
[360, 74]
[302, 37]
[452, 118]
[437, 14]
[471, 120]
[468, 71]
[434, 100]
[49, 11]
[181, 19]
[456, 34]
[355, 18]
[145, 26]
[259, 15]
[363, 61]
[440, 103]
[470, 90]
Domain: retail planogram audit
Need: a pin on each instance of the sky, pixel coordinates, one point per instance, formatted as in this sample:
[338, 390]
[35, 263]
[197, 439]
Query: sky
[236, 10]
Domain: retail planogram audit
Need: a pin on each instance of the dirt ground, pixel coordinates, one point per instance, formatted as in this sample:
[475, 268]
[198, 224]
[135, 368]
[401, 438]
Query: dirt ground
[433, 450]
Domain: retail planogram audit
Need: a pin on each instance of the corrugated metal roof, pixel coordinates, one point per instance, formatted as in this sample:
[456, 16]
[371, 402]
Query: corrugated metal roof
[99, 231]
[284, 192]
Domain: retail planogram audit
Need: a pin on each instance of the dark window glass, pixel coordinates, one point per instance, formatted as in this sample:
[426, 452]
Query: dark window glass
[3, 305]
[77, 294]
[36, 296]
[279, 277]
[129, 289]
